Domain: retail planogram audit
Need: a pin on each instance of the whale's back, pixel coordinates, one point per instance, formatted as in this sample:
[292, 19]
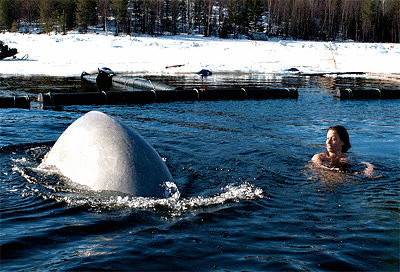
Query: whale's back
[102, 153]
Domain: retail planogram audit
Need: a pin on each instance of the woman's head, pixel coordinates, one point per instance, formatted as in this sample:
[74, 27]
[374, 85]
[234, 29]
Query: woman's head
[341, 132]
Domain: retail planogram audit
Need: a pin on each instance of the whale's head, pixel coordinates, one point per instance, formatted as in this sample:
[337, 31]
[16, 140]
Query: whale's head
[101, 153]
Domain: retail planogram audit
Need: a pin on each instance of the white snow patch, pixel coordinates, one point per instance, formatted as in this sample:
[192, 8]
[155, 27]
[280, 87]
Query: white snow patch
[70, 55]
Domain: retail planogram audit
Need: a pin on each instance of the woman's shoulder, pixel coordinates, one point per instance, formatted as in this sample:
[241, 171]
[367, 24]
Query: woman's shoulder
[319, 157]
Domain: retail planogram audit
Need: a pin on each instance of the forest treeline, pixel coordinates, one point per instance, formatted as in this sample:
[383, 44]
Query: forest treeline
[358, 20]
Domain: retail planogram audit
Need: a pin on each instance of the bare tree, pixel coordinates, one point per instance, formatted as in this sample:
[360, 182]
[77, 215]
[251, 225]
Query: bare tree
[393, 20]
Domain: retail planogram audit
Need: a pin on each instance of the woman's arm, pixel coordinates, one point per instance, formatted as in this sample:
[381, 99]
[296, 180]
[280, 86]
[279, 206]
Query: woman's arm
[369, 170]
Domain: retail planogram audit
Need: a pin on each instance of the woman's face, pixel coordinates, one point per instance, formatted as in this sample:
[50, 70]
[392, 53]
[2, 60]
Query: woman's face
[333, 142]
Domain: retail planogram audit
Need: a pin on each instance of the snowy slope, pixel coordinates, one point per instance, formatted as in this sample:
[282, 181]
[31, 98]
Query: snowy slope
[71, 54]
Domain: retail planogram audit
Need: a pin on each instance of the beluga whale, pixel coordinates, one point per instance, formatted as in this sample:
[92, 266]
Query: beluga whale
[101, 153]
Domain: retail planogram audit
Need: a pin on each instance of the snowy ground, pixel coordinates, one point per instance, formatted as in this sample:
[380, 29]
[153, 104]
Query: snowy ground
[69, 55]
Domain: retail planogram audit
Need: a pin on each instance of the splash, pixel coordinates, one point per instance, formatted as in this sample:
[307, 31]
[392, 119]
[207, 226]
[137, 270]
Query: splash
[230, 193]
[50, 185]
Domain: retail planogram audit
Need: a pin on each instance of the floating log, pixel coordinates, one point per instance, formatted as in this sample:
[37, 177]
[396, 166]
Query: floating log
[331, 73]
[223, 94]
[88, 78]
[142, 83]
[273, 93]
[96, 98]
[177, 95]
[90, 81]
[248, 93]
[367, 93]
[57, 99]
[15, 102]
[128, 82]
[174, 66]
[140, 97]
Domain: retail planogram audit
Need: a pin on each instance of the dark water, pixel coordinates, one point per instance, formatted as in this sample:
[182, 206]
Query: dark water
[247, 201]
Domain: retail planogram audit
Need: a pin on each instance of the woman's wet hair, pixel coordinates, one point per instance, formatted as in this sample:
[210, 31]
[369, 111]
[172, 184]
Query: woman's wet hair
[344, 137]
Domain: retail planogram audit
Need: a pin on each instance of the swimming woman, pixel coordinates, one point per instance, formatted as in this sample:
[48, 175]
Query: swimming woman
[337, 143]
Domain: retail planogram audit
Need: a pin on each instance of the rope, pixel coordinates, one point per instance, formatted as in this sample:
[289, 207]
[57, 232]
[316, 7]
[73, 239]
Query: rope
[380, 93]
[27, 99]
[198, 94]
[105, 94]
[155, 94]
[154, 88]
[51, 99]
[350, 92]
[244, 90]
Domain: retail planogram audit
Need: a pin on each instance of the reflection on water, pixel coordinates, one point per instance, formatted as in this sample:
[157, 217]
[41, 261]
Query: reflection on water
[18, 85]
[331, 177]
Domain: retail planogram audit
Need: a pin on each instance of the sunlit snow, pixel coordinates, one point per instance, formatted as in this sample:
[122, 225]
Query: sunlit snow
[70, 55]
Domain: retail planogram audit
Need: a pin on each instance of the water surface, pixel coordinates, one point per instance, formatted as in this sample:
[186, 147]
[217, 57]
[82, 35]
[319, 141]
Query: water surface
[246, 199]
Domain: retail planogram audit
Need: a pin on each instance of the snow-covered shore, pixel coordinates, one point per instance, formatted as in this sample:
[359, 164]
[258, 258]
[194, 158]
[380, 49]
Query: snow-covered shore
[69, 55]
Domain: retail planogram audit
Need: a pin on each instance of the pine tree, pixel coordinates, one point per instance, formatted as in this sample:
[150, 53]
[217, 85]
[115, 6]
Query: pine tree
[222, 20]
[255, 13]
[85, 14]
[238, 19]
[46, 8]
[66, 14]
[166, 16]
[366, 18]
[198, 16]
[119, 10]
[138, 16]
[4, 14]
[8, 13]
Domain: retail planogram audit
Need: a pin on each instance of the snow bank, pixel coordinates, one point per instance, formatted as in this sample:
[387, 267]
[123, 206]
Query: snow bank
[69, 55]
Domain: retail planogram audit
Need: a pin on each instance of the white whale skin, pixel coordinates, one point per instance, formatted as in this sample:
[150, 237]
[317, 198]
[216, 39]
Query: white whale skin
[100, 152]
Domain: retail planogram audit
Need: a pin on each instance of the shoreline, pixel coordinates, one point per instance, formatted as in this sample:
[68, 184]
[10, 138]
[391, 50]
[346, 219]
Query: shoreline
[71, 54]
[389, 77]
